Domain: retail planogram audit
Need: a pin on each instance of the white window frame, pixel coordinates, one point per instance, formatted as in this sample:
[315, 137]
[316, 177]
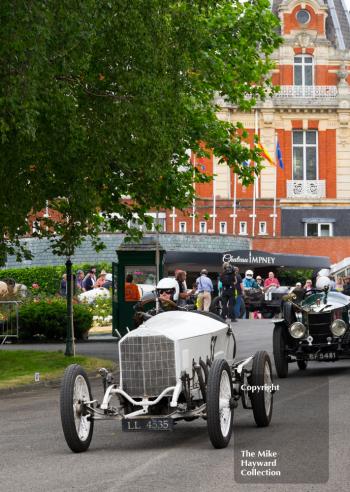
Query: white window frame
[304, 146]
[243, 228]
[224, 224]
[161, 216]
[263, 232]
[204, 224]
[184, 224]
[303, 65]
[319, 224]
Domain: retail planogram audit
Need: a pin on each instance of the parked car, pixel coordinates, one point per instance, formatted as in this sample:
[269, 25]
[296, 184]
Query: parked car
[314, 327]
[177, 365]
[269, 303]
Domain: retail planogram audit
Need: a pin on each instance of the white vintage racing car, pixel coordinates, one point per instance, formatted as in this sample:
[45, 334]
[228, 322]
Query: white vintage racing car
[177, 365]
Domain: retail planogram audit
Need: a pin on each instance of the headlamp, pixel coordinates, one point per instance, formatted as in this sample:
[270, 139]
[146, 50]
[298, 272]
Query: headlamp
[297, 330]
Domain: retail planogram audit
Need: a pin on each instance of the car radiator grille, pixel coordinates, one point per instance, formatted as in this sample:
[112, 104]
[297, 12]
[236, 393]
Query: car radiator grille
[319, 324]
[147, 365]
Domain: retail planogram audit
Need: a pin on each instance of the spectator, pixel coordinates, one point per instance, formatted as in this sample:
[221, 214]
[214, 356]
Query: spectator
[339, 284]
[80, 280]
[63, 286]
[183, 293]
[346, 286]
[308, 285]
[296, 286]
[205, 288]
[90, 279]
[249, 282]
[101, 279]
[228, 280]
[239, 308]
[132, 292]
[108, 281]
[271, 281]
[260, 282]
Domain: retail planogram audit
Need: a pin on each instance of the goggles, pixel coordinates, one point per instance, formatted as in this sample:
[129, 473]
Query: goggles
[165, 291]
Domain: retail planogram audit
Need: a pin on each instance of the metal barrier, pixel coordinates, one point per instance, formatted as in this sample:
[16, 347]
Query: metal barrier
[8, 320]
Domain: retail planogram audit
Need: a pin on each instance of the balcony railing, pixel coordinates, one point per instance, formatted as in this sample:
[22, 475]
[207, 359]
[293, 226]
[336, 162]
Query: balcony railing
[307, 91]
[306, 189]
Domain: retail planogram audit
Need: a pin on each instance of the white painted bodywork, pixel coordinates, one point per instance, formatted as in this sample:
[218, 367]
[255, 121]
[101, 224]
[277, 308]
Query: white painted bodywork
[193, 335]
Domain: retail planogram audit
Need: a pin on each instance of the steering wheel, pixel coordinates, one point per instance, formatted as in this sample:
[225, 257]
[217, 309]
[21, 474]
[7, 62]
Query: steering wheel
[169, 302]
[314, 290]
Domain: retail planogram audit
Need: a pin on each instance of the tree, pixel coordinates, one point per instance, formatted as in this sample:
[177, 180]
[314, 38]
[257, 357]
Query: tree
[100, 100]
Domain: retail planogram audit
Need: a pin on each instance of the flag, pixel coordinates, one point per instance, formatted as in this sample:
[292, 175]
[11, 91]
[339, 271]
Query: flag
[279, 155]
[264, 153]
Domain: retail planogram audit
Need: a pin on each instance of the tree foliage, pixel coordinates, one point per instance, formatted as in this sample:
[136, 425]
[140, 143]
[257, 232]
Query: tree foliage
[102, 100]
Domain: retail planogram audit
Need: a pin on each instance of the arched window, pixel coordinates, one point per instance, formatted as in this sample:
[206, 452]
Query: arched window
[303, 70]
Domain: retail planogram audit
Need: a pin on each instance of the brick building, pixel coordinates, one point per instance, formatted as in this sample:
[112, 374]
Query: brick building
[305, 207]
[310, 117]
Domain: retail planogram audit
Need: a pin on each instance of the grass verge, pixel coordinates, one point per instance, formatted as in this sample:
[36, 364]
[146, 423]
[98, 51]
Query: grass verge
[18, 367]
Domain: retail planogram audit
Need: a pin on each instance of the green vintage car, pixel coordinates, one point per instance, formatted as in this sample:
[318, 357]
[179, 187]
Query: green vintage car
[314, 327]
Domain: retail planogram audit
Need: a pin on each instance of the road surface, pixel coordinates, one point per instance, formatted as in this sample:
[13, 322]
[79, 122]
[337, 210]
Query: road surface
[308, 437]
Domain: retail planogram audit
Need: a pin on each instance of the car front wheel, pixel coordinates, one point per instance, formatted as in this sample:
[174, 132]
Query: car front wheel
[279, 351]
[262, 397]
[219, 404]
[76, 423]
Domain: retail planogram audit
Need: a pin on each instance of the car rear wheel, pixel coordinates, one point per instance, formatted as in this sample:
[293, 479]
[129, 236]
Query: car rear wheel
[279, 351]
[216, 306]
[76, 423]
[219, 407]
[262, 400]
[302, 364]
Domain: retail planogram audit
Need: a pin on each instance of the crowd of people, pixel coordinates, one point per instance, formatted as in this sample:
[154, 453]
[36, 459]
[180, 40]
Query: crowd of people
[86, 282]
[230, 287]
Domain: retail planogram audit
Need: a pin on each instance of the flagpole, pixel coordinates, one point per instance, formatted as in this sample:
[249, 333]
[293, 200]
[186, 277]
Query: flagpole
[234, 203]
[194, 199]
[214, 196]
[275, 195]
[254, 187]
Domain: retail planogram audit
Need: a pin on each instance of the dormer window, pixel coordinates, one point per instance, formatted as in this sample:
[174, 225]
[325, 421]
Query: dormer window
[303, 16]
[303, 69]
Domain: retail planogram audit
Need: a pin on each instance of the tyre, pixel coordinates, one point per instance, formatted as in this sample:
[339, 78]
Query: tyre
[216, 306]
[302, 364]
[219, 408]
[279, 351]
[262, 401]
[76, 424]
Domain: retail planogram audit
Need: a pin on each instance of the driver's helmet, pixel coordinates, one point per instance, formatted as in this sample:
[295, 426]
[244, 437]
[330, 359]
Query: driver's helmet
[324, 272]
[323, 282]
[249, 274]
[170, 286]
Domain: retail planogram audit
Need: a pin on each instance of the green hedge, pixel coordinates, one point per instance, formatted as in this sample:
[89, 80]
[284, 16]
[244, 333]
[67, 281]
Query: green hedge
[49, 319]
[291, 276]
[48, 278]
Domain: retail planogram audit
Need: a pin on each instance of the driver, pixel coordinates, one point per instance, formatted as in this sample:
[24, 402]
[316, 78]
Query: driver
[168, 293]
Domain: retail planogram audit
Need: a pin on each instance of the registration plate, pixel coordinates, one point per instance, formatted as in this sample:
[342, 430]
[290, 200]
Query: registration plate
[155, 424]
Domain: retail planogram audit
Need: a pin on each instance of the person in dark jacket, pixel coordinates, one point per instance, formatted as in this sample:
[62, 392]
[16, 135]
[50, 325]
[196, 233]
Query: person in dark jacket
[346, 286]
[228, 280]
[63, 285]
[90, 279]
